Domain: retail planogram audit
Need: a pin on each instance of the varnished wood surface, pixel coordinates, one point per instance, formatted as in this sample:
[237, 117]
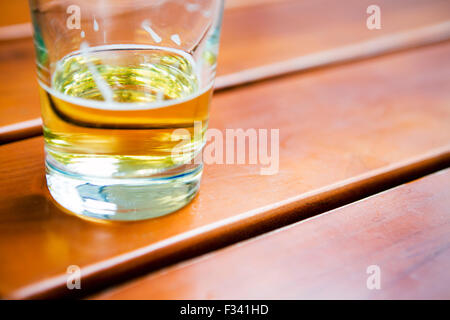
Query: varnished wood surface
[345, 132]
[404, 231]
[17, 12]
[255, 33]
[279, 31]
[383, 45]
[14, 13]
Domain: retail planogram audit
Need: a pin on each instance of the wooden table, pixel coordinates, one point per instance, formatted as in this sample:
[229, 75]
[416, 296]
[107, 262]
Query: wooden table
[359, 112]
[402, 231]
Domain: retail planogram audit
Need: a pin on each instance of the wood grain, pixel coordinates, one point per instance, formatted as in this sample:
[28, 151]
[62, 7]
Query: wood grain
[345, 133]
[404, 231]
[255, 33]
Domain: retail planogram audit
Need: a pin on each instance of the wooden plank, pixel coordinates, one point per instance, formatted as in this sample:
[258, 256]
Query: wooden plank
[17, 12]
[19, 90]
[16, 31]
[14, 12]
[350, 53]
[255, 34]
[404, 231]
[279, 31]
[345, 133]
[15, 16]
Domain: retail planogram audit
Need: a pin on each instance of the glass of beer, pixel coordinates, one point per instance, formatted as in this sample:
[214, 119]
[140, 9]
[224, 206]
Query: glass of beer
[125, 89]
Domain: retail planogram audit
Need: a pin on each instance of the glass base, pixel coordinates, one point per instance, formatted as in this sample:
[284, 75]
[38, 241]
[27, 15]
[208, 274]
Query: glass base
[122, 199]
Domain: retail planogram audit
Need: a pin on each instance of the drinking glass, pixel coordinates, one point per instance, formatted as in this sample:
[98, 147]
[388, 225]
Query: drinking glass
[125, 90]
